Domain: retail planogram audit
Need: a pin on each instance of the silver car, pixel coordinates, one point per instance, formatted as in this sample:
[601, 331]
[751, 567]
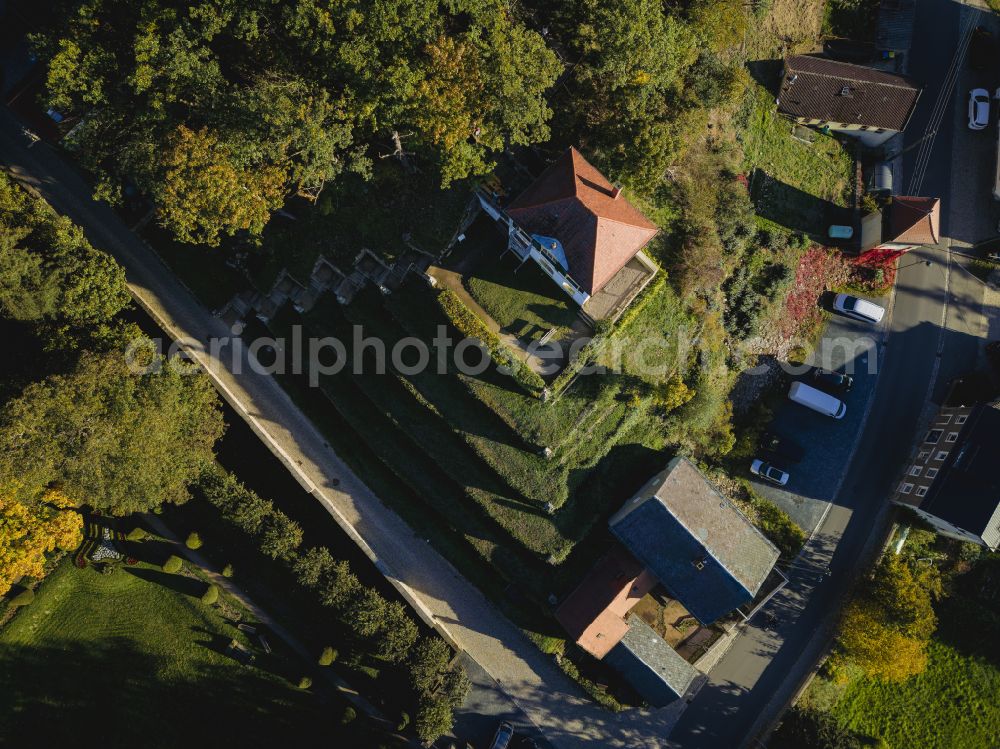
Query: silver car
[979, 109]
[859, 309]
[769, 472]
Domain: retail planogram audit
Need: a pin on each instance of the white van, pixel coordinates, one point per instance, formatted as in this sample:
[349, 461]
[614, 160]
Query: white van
[817, 400]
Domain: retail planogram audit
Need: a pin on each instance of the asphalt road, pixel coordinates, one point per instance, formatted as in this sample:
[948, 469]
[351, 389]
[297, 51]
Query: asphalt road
[849, 346]
[934, 335]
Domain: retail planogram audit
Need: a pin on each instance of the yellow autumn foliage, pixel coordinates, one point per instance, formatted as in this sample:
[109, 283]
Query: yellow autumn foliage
[28, 532]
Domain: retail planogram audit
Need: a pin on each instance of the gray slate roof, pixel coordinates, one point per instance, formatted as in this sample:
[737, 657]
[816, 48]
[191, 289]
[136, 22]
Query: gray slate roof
[895, 25]
[818, 88]
[652, 667]
[717, 523]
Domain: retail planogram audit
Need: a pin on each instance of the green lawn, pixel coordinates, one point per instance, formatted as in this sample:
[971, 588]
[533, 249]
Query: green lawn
[524, 301]
[793, 183]
[135, 659]
[953, 704]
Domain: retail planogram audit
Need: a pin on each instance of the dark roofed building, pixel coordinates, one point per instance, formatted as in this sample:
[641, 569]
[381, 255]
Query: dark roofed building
[894, 32]
[951, 480]
[704, 551]
[651, 666]
[869, 104]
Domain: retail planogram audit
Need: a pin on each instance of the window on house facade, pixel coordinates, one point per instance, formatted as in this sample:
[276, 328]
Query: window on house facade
[932, 472]
[960, 419]
[942, 454]
[944, 419]
[923, 455]
[933, 436]
[952, 437]
[915, 470]
[906, 488]
[921, 491]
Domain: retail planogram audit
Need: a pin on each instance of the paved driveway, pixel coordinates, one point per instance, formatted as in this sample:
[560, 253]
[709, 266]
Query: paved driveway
[847, 346]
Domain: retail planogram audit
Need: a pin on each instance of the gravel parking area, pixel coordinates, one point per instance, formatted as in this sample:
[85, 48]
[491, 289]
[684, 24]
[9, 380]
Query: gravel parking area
[847, 346]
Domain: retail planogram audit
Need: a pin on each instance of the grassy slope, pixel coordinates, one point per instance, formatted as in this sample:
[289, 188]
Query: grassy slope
[794, 179]
[525, 303]
[129, 651]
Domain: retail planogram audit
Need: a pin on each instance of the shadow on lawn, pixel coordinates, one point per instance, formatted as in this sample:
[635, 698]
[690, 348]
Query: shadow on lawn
[150, 551]
[188, 586]
[793, 208]
[111, 688]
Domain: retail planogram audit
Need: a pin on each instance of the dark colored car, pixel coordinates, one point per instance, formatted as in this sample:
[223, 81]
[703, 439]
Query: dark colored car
[781, 447]
[982, 50]
[503, 736]
[832, 381]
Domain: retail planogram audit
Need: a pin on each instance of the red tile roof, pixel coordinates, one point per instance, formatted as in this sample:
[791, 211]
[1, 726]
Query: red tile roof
[914, 220]
[599, 229]
[818, 88]
[594, 613]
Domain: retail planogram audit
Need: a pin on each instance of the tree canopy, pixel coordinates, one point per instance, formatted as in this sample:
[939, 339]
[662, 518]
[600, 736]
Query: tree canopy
[116, 440]
[48, 270]
[219, 110]
[885, 630]
[29, 530]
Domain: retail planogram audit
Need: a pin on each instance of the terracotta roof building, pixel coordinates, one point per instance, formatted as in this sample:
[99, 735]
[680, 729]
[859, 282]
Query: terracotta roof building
[703, 550]
[851, 99]
[905, 224]
[592, 229]
[594, 614]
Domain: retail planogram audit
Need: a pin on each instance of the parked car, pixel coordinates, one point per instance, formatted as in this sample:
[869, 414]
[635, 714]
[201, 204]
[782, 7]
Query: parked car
[979, 109]
[503, 736]
[781, 447]
[769, 472]
[817, 400]
[859, 309]
[838, 231]
[981, 49]
[841, 383]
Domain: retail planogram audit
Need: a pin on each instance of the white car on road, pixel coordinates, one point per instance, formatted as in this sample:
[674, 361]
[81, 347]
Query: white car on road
[859, 309]
[979, 109]
[768, 472]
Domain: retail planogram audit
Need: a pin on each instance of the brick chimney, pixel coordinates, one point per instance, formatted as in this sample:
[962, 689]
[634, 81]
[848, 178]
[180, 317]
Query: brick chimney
[616, 191]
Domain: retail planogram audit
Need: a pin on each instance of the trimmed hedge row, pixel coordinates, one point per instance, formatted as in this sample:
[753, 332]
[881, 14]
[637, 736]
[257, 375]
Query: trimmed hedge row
[470, 326]
[384, 628]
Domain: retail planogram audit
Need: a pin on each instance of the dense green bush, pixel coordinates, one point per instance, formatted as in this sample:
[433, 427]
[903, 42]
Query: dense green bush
[227, 571]
[193, 541]
[305, 682]
[276, 533]
[328, 656]
[350, 715]
[173, 564]
[211, 595]
[136, 534]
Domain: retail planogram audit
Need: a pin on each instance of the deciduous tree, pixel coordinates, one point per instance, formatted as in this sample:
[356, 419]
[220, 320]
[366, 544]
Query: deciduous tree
[29, 531]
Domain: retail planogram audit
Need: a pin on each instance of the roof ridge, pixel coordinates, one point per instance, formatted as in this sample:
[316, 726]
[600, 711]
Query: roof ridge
[887, 84]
